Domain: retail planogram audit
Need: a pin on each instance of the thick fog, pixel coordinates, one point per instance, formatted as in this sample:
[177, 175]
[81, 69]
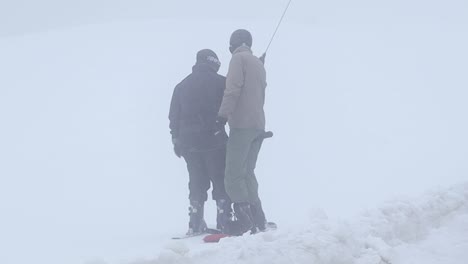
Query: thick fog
[367, 100]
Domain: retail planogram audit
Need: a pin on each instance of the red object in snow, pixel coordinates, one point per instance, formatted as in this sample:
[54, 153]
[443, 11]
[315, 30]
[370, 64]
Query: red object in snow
[214, 238]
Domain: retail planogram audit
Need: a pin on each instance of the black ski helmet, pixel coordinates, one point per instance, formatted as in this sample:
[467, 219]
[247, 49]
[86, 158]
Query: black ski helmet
[238, 38]
[208, 57]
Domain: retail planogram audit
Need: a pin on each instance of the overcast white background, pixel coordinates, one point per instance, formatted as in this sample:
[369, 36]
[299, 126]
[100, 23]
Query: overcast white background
[367, 100]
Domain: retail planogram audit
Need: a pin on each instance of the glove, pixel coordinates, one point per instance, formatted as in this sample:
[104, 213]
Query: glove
[220, 124]
[177, 147]
[262, 58]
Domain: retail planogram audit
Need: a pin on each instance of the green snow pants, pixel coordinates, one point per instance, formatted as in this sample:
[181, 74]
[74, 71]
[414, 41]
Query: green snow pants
[241, 157]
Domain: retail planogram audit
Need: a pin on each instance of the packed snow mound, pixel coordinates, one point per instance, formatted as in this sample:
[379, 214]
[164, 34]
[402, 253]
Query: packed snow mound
[431, 229]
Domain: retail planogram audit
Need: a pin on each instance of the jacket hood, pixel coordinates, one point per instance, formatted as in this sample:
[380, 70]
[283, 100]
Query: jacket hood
[204, 67]
[242, 48]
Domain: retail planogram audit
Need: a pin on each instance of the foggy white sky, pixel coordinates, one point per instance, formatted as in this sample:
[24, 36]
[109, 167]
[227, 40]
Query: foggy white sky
[26, 15]
[21, 16]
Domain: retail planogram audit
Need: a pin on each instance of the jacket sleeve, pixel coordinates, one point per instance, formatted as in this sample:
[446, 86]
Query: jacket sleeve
[234, 84]
[174, 114]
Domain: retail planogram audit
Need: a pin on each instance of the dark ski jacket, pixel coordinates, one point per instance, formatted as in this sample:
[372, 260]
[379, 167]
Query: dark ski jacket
[194, 109]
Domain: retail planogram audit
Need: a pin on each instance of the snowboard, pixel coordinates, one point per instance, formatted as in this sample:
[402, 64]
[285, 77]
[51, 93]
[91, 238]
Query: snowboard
[215, 238]
[208, 231]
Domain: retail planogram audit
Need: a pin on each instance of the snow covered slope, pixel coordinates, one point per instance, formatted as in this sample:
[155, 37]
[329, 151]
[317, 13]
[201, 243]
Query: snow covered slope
[432, 229]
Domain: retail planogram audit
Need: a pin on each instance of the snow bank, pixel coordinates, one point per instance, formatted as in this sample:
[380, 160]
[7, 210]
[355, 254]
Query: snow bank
[431, 229]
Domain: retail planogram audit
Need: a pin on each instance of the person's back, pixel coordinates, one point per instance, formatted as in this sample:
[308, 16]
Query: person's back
[201, 94]
[196, 138]
[246, 80]
[194, 109]
[242, 107]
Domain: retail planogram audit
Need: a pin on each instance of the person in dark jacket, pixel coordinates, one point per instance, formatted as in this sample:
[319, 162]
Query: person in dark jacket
[199, 140]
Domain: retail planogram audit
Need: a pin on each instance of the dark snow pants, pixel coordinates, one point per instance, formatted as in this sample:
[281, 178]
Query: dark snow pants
[243, 148]
[204, 168]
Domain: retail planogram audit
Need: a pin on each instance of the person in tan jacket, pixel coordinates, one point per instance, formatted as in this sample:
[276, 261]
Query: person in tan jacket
[242, 107]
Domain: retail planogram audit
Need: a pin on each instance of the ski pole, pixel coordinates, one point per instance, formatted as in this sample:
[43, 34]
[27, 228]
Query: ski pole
[276, 30]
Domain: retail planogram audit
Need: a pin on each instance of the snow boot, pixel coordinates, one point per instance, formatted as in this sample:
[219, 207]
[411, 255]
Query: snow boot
[258, 217]
[197, 224]
[224, 213]
[243, 220]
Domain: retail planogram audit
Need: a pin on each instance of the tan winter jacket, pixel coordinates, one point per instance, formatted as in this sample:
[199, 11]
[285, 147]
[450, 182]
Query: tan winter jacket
[244, 96]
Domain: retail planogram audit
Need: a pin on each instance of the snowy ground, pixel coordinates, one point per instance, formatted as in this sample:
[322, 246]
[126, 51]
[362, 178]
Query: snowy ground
[367, 101]
[431, 229]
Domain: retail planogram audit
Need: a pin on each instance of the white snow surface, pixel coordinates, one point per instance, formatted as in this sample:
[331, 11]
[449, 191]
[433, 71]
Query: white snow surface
[430, 229]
